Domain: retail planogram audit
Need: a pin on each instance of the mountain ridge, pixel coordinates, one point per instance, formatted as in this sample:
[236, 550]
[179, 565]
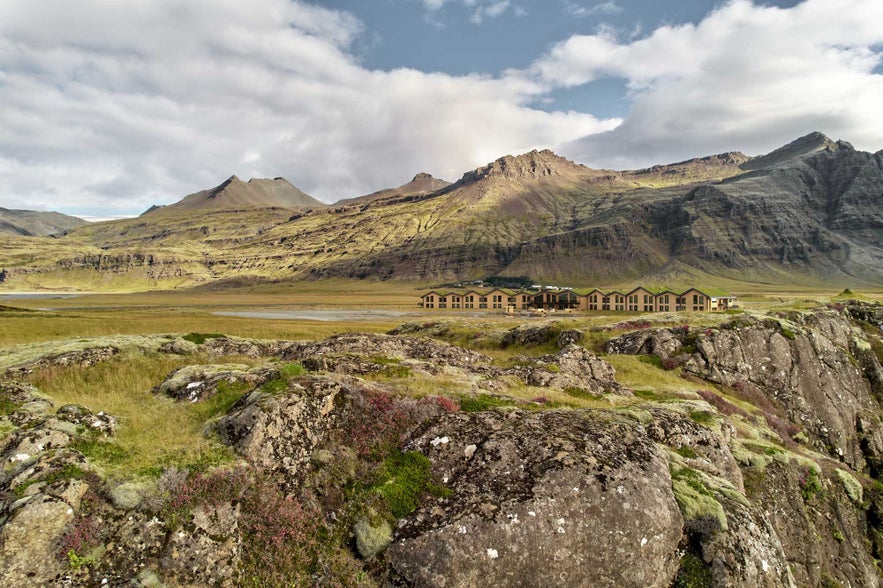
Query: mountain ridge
[34, 223]
[813, 214]
[233, 193]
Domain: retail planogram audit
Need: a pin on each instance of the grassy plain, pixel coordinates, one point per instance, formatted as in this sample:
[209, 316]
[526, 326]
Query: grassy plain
[156, 431]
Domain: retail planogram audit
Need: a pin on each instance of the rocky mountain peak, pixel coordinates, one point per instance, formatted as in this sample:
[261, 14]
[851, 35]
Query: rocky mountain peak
[796, 149]
[533, 165]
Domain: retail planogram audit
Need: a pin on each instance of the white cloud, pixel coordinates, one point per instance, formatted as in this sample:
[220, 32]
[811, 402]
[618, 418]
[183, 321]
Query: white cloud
[483, 9]
[747, 76]
[489, 10]
[580, 11]
[116, 106]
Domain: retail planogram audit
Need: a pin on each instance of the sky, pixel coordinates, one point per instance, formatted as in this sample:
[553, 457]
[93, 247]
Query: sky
[108, 107]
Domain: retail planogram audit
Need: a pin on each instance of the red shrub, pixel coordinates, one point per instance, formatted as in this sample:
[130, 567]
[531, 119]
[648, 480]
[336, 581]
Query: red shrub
[723, 405]
[783, 427]
[447, 404]
[669, 363]
[82, 535]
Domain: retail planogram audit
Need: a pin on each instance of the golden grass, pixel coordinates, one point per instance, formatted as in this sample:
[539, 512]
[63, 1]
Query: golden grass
[638, 375]
[154, 431]
[35, 327]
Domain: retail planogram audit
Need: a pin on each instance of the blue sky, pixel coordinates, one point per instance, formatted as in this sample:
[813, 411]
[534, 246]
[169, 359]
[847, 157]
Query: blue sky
[109, 107]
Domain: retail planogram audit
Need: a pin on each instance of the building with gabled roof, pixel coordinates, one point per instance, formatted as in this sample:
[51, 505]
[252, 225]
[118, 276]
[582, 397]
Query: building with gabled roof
[638, 299]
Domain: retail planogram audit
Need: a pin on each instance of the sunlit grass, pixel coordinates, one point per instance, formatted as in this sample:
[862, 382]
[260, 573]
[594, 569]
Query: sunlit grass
[637, 374]
[40, 326]
[154, 430]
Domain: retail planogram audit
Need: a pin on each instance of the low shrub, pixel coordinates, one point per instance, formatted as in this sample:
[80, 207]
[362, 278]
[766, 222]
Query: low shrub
[782, 427]
[446, 404]
[80, 537]
[482, 402]
[723, 406]
[702, 417]
[200, 338]
[651, 360]
[280, 539]
[669, 363]
[381, 424]
[181, 491]
[810, 484]
[753, 395]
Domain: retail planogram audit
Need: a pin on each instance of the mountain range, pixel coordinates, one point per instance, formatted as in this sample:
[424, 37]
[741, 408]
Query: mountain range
[808, 213]
[31, 223]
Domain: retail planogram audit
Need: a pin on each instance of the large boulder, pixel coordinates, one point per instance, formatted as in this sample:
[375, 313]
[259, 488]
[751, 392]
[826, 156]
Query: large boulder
[557, 498]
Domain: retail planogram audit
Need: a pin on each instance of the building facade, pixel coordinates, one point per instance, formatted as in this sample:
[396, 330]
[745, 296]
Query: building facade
[639, 299]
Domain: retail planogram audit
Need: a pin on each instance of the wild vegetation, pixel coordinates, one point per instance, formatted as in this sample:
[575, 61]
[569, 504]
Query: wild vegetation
[166, 453]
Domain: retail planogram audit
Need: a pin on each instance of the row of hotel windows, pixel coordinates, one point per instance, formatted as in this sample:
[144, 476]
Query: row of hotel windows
[470, 300]
[634, 302]
[644, 303]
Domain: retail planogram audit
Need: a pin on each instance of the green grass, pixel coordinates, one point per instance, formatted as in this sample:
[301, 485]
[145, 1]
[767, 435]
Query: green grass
[482, 402]
[154, 431]
[200, 338]
[702, 417]
[7, 406]
[403, 479]
[693, 573]
[292, 370]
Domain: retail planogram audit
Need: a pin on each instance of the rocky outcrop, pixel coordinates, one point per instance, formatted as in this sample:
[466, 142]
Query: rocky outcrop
[278, 432]
[554, 498]
[662, 343]
[572, 367]
[198, 382]
[807, 368]
[327, 354]
[81, 358]
[804, 363]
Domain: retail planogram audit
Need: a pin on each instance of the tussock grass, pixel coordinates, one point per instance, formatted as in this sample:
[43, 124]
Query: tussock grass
[633, 372]
[154, 431]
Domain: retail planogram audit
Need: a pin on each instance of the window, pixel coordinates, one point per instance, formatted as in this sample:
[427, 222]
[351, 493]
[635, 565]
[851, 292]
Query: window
[443, 302]
[633, 302]
[470, 301]
[498, 301]
[455, 302]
